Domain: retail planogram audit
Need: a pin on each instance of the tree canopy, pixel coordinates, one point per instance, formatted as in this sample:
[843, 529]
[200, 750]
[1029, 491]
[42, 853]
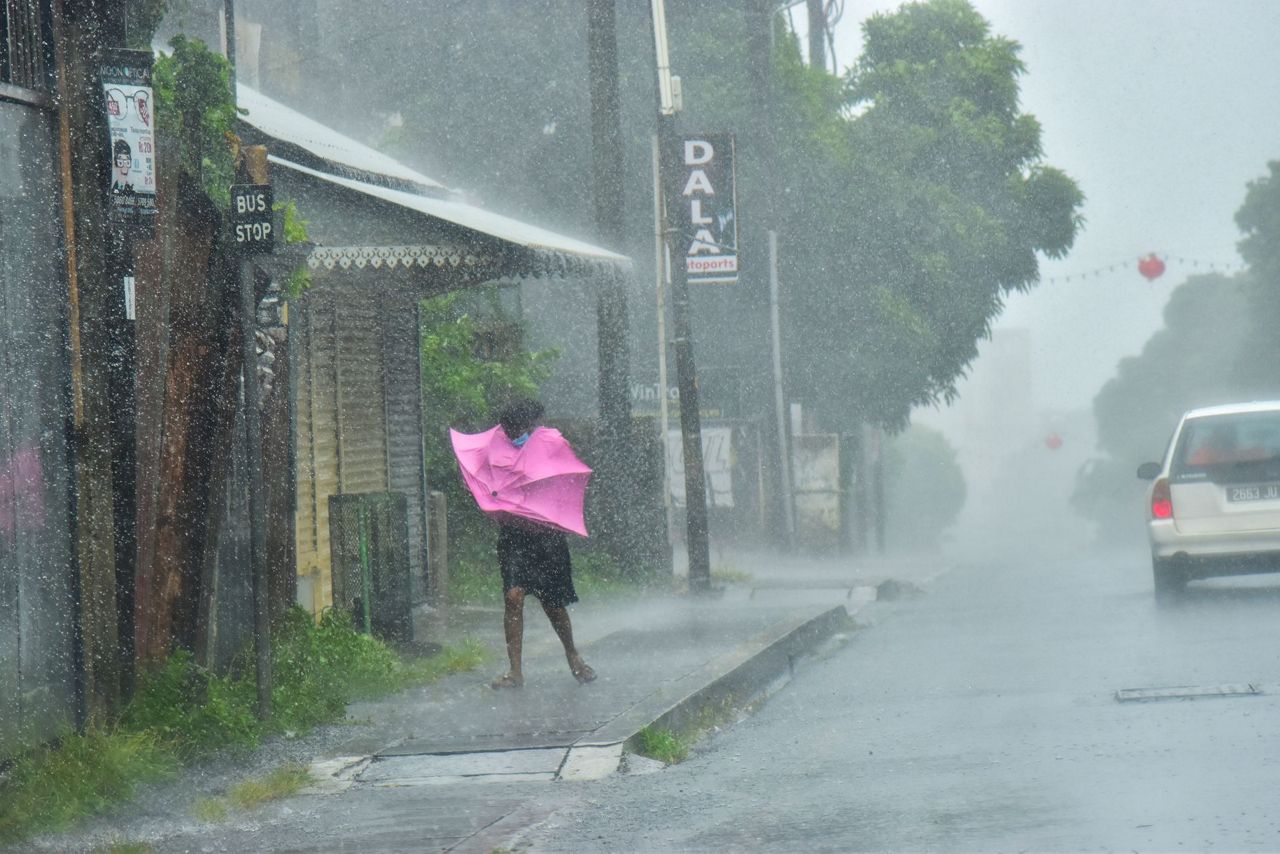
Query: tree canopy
[948, 204]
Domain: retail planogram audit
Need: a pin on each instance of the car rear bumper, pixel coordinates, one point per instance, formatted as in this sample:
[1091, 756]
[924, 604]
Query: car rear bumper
[1228, 553]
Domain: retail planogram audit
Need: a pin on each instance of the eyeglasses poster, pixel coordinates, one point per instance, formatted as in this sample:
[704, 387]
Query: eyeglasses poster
[128, 104]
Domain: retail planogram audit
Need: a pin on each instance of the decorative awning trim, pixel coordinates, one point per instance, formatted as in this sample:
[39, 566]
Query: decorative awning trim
[402, 258]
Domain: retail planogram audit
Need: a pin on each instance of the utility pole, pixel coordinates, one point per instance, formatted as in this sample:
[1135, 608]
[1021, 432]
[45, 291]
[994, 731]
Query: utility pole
[253, 169]
[253, 199]
[784, 447]
[229, 22]
[695, 487]
[613, 353]
[661, 262]
[817, 33]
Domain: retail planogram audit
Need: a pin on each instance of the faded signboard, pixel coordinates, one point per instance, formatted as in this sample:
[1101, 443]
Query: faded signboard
[717, 464]
[815, 465]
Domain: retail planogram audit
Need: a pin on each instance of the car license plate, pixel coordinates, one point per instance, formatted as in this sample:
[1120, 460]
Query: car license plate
[1258, 492]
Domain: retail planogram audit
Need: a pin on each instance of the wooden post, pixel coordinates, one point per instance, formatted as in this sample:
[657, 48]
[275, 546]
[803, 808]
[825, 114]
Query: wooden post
[83, 155]
[437, 550]
[616, 463]
[254, 167]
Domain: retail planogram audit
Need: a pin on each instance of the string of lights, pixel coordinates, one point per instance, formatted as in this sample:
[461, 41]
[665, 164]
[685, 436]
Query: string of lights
[1150, 266]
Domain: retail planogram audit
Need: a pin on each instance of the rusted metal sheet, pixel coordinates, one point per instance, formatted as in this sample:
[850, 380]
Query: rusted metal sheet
[361, 402]
[403, 395]
[37, 604]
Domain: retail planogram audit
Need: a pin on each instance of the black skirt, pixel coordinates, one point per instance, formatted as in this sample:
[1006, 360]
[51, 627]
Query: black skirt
[536, 560]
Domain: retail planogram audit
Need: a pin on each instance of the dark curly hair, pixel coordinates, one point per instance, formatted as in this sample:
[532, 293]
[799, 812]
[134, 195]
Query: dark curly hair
[519, 416]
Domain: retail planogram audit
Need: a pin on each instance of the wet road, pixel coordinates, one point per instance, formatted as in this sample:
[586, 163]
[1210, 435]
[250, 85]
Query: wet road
[983, 716]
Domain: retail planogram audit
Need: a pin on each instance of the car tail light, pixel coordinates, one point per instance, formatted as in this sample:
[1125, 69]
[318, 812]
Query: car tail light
[1161, 500]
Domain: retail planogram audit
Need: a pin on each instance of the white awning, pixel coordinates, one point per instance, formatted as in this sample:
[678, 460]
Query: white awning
[287, 125]
[469, 217]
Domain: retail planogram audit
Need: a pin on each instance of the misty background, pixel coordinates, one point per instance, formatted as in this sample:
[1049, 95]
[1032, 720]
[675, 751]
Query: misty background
[1163, 111]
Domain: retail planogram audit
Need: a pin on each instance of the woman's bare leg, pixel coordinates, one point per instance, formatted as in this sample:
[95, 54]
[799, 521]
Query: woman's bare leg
[513, 629]
[559, 618]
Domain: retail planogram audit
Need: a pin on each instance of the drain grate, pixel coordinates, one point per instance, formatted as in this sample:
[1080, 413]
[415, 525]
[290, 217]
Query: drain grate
[1186, 692]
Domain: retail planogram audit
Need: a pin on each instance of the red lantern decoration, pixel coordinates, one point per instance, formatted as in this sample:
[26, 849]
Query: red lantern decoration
[1151, 267]
[1053, 441]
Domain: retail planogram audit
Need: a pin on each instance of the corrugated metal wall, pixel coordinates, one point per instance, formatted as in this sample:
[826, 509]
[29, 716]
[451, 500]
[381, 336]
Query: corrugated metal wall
[401, 355]
[358, 418]
[37, 602]
[361, 383]
[227, 610]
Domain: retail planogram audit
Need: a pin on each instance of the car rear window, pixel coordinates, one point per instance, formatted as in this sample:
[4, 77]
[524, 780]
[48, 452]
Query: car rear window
[1240, 447]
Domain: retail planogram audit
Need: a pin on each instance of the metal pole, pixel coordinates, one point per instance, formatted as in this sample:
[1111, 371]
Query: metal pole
[877, 484]
[229, 21]
[817, 33]
[616, 524]
[695, 487]
[257, 507]
[661, 264]
[784, 470]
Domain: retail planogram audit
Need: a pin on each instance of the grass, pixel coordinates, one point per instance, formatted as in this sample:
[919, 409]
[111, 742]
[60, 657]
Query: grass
[280, 783]
[726, 572]
[128, 848]
[210, 810]
[661, 744]
[50, 787]
[674, 746]
[467, 656]
[253, 793]
[182, 713]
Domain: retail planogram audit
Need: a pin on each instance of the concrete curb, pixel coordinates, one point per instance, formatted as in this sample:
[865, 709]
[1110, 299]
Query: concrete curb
[735, 679]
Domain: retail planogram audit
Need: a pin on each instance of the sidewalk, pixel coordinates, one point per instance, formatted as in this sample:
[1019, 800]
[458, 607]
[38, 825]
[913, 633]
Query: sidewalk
[450, 766]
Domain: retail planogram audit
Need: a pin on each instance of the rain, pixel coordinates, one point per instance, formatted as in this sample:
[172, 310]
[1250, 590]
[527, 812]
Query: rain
[575, 425]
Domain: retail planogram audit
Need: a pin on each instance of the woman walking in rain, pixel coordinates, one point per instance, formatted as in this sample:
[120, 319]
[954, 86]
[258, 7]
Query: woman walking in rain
[528, 478]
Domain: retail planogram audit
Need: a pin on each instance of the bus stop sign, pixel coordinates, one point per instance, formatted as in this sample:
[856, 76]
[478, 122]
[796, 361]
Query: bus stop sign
[251, 218]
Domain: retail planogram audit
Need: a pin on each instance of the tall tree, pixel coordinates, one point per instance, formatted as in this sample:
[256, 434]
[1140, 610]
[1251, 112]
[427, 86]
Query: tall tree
[1259, 221]
[948, 204]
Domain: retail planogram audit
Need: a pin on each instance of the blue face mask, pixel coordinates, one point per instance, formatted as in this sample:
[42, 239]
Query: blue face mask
[519, 442]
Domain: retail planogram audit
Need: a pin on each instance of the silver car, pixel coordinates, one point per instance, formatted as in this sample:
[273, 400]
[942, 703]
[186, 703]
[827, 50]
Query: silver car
[1214, 502]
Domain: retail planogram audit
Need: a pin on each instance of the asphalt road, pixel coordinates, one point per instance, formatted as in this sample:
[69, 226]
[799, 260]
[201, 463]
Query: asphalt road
[984, 717]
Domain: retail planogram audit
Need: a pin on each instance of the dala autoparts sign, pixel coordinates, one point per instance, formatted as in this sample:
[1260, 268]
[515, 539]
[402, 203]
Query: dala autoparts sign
[251, 226]
[705, 216]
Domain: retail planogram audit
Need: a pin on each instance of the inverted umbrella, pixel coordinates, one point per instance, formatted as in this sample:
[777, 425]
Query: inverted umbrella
[542, 481]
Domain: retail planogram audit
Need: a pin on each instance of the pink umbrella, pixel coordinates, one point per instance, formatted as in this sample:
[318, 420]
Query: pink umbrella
[542, 481]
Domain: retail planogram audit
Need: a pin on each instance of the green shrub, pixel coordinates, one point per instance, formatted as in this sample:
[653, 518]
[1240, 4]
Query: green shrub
[50, 787]
[192, 710]
[319, 667]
